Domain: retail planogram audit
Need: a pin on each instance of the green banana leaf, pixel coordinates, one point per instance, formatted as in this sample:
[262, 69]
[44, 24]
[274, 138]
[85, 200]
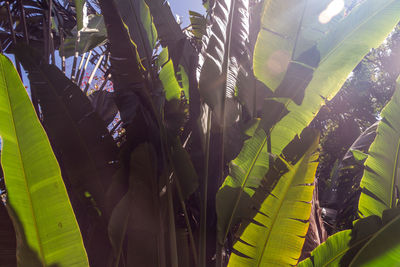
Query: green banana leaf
[49, 228]
[276, 234]
[306, 85]
[372, 242]
[172, 89]
[135, 214]
[136, 15]
[380, 179]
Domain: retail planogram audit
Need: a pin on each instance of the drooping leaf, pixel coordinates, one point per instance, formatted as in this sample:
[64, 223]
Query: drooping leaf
[353, 247]
[135, 214]
[127, 70]
[275, 235]
[86, 150]
[30, 168]
[380, 180]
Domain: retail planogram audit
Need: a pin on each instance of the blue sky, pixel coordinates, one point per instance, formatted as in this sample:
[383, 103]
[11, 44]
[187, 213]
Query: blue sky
[181, 8]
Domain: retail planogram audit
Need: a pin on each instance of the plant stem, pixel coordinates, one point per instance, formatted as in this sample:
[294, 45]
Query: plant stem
[171, 220]
[203, 214]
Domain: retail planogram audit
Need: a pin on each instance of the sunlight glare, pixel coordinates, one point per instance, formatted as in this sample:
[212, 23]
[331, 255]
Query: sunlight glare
[334, 8]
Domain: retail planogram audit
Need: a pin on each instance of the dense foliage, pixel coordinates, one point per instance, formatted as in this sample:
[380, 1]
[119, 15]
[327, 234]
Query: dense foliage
[143, 144]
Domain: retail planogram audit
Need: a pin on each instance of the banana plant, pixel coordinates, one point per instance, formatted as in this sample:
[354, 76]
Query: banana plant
[275, 235]
[37, 200]
[297, 53]
[314, 71]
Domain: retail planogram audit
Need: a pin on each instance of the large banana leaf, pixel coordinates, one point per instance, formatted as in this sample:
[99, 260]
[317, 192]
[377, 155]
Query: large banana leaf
[246, 172]
[307, 84]
[86, 150]
[305, 87]
[135, 214]
[227, 38]
[380, 181]
[372, 242]
[289, 31]
[36, 191]
[275, 235]
[127, 70]
[136, 15]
